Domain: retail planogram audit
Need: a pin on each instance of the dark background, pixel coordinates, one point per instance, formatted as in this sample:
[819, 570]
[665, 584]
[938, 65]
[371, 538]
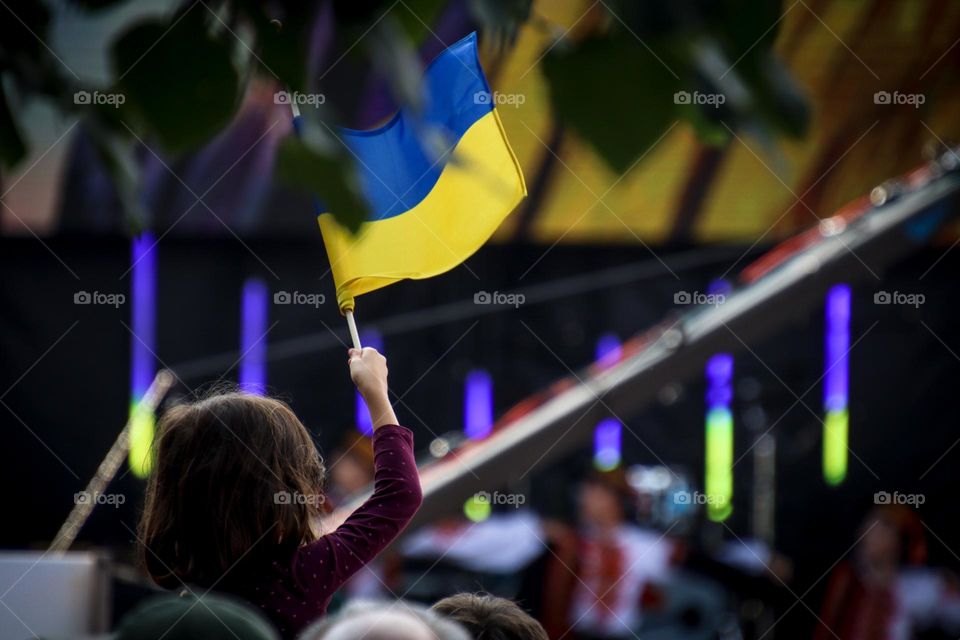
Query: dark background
[75, 398]
[64, 410]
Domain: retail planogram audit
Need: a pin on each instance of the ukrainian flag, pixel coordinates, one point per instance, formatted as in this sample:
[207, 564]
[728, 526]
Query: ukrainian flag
[427, 213]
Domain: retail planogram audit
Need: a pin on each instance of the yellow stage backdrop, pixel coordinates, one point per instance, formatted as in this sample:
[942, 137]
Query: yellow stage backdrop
[840, 52]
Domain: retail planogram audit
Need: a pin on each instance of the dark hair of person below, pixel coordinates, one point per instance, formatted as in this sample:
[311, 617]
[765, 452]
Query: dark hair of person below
[489, 617]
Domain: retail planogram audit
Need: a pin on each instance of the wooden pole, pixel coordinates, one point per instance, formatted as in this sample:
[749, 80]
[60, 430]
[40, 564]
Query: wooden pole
[354, 335]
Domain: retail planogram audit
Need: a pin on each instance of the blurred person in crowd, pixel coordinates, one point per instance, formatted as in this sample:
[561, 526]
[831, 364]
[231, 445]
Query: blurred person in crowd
[385, 620]
[884, 592]
[595, 584]
[488, 617]
[237, 492]
[351, 469]
[188, 617]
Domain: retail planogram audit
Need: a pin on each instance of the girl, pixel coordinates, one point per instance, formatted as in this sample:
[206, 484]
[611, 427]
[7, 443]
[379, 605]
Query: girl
[236, 494]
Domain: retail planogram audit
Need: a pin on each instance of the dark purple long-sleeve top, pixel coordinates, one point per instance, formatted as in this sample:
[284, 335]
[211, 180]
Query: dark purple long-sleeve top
[294, 590]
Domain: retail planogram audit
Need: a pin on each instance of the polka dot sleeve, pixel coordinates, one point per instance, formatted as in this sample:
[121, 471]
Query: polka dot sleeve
[324, 565]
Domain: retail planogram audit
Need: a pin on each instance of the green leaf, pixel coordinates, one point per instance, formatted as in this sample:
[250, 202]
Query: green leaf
[779, 100]
[314, 163]
[23, 33]
[178, 82]
[746, 25]
[12, 147]
[706, 125]
[119, 161]
[652, 18]
[417, 16]
[397, 61]
[282, 49]
[95, 5]
[616, 94]
[501, 19]
[352, 13]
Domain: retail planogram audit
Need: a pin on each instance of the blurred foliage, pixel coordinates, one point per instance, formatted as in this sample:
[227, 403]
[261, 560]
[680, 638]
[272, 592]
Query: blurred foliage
[643, 65]
[616, 81]
[12, 147]
[309, 161]
[148, 52]
[501, 20]
[590, 90]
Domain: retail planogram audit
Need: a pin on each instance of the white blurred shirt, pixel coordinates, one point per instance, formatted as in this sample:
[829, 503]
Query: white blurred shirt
[606, 599]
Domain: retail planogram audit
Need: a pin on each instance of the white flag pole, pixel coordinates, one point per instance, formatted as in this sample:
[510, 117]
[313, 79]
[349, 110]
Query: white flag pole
[354, 335]
[351, 323]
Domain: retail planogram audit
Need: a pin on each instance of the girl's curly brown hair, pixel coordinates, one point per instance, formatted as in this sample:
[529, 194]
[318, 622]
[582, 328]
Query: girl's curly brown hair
[234, 473]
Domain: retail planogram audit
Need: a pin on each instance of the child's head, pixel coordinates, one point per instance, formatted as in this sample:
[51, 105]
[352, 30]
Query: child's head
[235, 473]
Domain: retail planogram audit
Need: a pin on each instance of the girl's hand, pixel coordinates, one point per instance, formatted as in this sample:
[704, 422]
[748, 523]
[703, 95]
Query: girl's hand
[368, 370]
